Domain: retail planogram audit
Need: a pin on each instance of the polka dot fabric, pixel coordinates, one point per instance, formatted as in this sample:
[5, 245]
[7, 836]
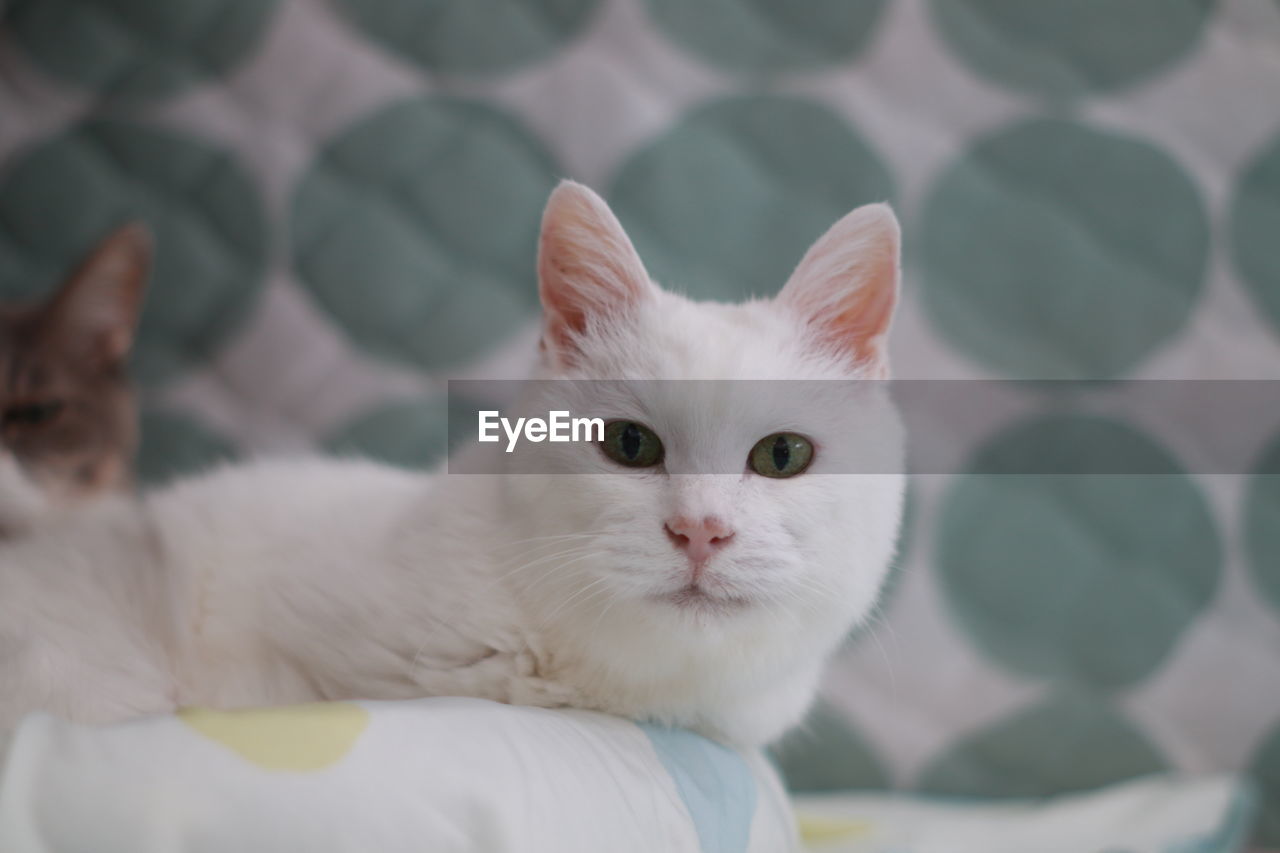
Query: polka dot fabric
[445, 773]
[204, 211]
[1109, 281]
[410, 254]
[787, 168]
[346, 197]
[133, 49]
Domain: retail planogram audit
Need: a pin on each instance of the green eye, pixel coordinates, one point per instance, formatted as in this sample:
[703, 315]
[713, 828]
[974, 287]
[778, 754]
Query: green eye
[631, 444]
[783, 454]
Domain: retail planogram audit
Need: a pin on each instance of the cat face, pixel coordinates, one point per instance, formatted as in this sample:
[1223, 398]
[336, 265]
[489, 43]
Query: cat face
[732, 506]
[67, 414]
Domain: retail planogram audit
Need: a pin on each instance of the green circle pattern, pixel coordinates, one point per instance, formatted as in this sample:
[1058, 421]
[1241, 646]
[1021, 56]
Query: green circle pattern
[410, 435]
[826, 753]
[469, 36]
[1041, 256]
[1262, 523]
[1087, 577]
[725, 204]
[1070, 742]
[764, 36]
[1265, 770]
[1063, 48]
[135, 49]
[416, 229]
[174, 445]
[1255, 222]
[60, 198]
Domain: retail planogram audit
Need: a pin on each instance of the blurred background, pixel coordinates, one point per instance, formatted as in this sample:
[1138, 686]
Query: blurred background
[346, 196]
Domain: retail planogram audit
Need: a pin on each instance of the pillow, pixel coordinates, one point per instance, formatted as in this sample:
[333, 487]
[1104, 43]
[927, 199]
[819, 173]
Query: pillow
[1157, 814]
[441, 775]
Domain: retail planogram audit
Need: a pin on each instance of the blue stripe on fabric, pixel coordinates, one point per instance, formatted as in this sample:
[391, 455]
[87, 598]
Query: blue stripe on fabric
[715, 782]
[1232, 835]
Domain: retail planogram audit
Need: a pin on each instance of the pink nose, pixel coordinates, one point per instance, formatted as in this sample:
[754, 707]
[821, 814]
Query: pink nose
[698, 538]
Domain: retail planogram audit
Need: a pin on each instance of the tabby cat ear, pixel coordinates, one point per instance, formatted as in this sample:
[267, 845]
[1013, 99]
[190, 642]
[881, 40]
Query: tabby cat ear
[846, 286]
[97, 307]
[588, 271]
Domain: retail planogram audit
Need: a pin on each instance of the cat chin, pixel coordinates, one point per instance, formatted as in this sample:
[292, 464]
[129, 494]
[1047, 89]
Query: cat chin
[700, 602]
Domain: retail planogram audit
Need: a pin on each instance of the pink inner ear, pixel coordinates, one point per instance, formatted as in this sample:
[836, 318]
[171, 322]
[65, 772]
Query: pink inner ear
[565, 313]
[97, 308]
[846, 286]
[862, 320]
[587, 266]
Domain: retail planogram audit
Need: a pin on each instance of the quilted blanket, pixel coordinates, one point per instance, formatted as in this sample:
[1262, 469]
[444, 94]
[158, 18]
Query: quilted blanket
[346, 195]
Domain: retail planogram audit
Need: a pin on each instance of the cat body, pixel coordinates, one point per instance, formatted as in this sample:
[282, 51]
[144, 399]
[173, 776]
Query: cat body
[656, 591]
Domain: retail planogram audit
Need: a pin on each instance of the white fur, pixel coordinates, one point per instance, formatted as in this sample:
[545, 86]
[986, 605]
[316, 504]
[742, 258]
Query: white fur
[22, 502]
[288, 581]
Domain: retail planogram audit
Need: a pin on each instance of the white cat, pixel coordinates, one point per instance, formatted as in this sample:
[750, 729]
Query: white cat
[707, 600]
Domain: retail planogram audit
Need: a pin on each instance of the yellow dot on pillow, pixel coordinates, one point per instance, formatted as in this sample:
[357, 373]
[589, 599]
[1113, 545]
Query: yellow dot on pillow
[301, 738]
[816, 830]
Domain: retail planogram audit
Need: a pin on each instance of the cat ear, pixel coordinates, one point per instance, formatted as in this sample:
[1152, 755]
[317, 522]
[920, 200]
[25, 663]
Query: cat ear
[846, 286]
[96, 309]
[587, 267]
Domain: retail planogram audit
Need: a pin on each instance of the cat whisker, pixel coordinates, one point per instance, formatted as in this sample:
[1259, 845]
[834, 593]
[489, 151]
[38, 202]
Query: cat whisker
[600, 617]
[893, 673]
[568, 552]
[549, 571]
[780, 615]
[875, 620]
[553, 538]
[566, 602]
[773, 608]
[542, 552]
[821, 588]
[572, 549]
[792, 595]
[602, 592]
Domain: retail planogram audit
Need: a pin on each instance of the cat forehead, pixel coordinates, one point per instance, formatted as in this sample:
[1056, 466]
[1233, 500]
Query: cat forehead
[28, 371]
[32, 365]
[679, 338]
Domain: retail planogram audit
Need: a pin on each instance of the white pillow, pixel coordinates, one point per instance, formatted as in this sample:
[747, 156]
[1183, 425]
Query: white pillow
[437, 775]
[1156, 814]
